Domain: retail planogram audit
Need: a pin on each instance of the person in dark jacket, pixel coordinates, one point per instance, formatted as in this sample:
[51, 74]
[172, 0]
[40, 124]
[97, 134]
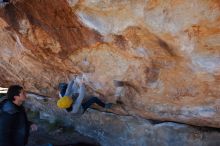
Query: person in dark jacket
[14, 125]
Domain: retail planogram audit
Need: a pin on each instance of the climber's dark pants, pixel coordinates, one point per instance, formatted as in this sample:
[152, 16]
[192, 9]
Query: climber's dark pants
[91, 101]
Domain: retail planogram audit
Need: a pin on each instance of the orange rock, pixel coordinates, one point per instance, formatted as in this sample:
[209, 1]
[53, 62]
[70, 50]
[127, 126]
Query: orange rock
[167, 53]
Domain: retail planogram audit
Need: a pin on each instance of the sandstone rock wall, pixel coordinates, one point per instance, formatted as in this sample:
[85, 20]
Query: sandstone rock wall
[167, 52]
[115, 130]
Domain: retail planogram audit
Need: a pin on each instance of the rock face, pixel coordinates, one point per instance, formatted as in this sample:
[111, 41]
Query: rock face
[56, 134]
[166, 52]
[114, 130]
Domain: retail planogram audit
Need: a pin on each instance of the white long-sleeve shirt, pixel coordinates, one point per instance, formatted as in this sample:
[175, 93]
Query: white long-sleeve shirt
[77, 106]
[72, 89]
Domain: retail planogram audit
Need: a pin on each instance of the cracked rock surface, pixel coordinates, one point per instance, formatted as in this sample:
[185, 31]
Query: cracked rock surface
[167, 53]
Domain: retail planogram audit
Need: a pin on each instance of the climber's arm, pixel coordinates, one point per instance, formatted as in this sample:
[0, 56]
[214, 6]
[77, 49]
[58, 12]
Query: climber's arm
[79, 99]
[69, 89]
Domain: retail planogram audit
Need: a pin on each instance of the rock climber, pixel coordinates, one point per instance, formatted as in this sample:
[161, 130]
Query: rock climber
[72, 97]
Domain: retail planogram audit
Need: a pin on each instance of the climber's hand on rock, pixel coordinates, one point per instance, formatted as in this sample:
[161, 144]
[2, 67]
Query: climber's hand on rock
[81, 81]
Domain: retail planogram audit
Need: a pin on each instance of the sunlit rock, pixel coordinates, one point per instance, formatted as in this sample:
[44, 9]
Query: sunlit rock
[165, 52]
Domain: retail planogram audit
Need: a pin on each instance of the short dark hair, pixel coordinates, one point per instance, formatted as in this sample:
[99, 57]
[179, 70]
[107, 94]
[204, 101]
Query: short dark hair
[62, 85]
[62, 88]
[13, 90]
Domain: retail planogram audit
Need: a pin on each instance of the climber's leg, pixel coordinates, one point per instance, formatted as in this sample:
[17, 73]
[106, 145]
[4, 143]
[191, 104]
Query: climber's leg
[91, 101]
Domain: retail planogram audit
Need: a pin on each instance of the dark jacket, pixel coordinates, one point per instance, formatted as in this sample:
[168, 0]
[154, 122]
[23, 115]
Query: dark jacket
[14, 126]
